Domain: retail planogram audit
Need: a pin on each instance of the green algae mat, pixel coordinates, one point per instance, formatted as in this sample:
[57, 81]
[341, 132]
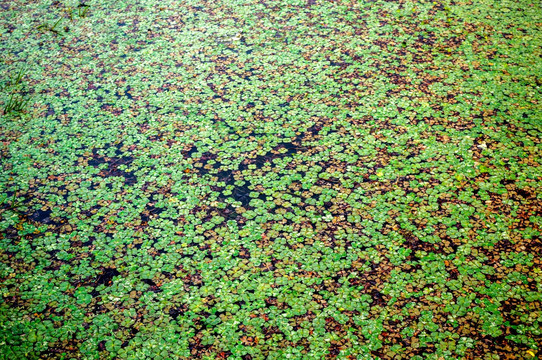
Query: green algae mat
[296, 179]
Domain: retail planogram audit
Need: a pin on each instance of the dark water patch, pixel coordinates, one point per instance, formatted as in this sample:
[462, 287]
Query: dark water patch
[523, 193]
[204, 160]
[340, 64]
[44, 217]
[128, 92]
[113, 164]
[150, 212]
[89, 242]
[226, 176]
[229, 213]
[261, 160]
[106, 276]
[291, 149]
[133, 331]
[155, 288]
[188, 154]
[242, 194]
[50, 111]
[125, 94]
[149, 282]
[176, 311]
[206, 156]
[378, 298]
